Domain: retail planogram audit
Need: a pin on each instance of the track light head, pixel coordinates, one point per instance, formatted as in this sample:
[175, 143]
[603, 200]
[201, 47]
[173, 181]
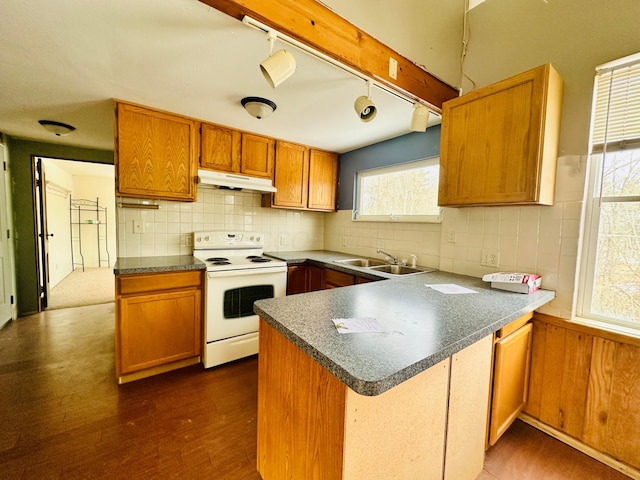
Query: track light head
[420, 118]
[364, 106]
[279, 65]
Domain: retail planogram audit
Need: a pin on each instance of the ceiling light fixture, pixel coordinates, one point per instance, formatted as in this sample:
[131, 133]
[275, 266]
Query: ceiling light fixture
[57, 128]
[365, 107]
[279, 66]
[258, 107]
[420, 118]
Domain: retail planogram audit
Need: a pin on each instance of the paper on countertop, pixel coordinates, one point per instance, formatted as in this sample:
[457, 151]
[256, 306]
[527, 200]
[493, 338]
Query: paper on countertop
[358, 325]
[450, 288]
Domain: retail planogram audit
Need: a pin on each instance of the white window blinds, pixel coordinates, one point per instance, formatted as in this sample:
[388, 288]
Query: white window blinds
[616, 121]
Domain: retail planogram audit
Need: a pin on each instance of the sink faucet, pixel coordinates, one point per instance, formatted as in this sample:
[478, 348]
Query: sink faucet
[394, 259]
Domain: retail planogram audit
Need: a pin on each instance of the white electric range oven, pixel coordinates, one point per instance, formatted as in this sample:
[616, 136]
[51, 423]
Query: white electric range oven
[237, 275]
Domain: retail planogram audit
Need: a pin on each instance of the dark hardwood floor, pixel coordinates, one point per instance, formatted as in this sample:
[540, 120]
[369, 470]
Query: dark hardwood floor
[62, 415]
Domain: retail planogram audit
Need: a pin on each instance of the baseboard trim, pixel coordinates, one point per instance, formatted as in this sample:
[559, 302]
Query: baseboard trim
[581, 447]
[130, 377]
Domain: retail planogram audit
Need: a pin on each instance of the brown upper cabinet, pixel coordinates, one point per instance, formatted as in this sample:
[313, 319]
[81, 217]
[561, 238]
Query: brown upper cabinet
[257, 155]
[156, 154]
[305, 178]
[499, 144]
[228, 150]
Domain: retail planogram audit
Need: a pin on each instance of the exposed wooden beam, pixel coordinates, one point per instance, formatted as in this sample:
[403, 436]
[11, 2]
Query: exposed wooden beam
[315, 25]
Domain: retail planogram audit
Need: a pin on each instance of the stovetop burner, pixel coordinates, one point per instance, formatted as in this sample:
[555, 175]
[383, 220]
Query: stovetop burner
[260, 260]
[217, 259]
[221, 262]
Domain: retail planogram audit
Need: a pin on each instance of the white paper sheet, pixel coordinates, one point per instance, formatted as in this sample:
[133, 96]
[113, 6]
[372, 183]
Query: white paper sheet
[358, 325]
[450, 288]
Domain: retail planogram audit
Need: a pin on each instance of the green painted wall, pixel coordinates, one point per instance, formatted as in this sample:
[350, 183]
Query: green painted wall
[21, 153]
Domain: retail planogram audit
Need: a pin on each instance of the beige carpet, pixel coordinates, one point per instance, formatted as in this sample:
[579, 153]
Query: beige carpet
[91, 287]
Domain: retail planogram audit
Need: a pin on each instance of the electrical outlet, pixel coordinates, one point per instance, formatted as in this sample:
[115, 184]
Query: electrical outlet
[490, 259]
[393, 68]
[451, 235]
[138, 226]
[283, 240]
[344, 241]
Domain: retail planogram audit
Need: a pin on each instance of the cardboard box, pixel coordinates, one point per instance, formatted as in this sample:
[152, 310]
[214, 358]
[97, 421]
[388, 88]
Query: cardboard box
[514, 282]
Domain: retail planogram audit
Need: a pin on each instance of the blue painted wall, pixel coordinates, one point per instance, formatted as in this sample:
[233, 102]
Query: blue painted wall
[410, 147]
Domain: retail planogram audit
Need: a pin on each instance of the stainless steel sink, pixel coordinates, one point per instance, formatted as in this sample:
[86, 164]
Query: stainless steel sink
[362, 262]
[398, 269]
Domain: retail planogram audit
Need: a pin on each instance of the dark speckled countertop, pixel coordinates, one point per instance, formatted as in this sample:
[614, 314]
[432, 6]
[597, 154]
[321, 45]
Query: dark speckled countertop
[424, 326]
[169, 263]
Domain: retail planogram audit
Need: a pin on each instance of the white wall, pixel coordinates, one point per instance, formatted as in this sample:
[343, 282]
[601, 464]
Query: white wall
[428, 32]
[102, 188]
[59, 186]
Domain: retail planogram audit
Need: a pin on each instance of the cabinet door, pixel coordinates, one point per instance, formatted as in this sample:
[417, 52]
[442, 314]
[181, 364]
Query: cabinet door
[510, 380]
[323, 179]
[296, 279]
[257, 156]
[220, 148]
[291, 175]
[156, 154]
[315, 278]
[499, 143]
[334, 278]
[156, 329]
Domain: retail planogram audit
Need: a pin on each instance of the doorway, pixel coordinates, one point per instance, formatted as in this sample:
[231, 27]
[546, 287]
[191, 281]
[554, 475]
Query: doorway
[76, 229]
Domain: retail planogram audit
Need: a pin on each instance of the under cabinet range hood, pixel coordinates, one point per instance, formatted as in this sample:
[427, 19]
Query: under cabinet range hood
[231, 181]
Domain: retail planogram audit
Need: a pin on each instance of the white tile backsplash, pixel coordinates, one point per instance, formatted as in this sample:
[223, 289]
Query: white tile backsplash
[168, 229]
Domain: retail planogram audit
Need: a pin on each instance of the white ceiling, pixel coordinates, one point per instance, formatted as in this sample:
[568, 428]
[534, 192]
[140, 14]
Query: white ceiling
[65, 60]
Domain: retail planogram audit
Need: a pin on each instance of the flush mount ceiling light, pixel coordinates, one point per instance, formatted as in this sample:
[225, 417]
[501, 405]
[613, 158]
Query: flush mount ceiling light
[279, 66]
[365, 107]
[258, 107]
[420, 118]
[57, 128]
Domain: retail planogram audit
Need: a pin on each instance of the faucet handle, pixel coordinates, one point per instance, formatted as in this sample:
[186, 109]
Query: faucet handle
[414, 259]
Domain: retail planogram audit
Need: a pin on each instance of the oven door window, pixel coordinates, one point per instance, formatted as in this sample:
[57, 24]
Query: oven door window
[238, 302]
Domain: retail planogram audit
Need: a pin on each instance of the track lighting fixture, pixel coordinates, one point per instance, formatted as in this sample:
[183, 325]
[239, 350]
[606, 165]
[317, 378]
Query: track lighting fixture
[258, 107]
[279, 66]
[364, 106]
[59, 129]
[420, 118]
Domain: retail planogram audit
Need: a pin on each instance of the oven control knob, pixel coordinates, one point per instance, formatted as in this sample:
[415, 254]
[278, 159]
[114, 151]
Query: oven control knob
[251, 238]
[198, 239]
[207, 238]
[257, 239]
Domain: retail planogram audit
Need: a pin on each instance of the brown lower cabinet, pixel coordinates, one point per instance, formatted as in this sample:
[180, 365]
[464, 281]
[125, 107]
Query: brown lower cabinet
[158, 322]
[309, 278]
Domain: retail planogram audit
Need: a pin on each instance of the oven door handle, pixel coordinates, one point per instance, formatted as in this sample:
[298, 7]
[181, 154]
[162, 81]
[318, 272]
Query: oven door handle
[247, 271]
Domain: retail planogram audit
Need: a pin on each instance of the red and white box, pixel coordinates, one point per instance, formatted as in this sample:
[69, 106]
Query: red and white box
[514, 282]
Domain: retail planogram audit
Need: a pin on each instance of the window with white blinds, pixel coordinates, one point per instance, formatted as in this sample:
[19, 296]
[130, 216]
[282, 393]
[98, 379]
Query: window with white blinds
[609, 284]
[616, 118]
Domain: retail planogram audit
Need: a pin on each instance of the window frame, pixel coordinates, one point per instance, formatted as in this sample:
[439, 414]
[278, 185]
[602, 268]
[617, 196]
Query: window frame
[398, 167]
[600, 147]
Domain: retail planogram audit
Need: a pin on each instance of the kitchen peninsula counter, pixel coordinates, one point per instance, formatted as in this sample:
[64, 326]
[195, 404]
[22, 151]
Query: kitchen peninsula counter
[424, 326]
[409, 403]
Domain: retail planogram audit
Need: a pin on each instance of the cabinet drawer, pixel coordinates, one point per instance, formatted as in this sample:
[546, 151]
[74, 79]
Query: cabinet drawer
[337, 279]
[513, 326]
[153, 282]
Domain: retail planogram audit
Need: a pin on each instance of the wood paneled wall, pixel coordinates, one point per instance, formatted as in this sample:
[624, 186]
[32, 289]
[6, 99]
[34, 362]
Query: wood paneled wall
[586, 383]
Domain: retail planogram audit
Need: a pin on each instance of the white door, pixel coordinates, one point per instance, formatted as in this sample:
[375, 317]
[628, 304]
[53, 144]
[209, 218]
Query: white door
[6, 276]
